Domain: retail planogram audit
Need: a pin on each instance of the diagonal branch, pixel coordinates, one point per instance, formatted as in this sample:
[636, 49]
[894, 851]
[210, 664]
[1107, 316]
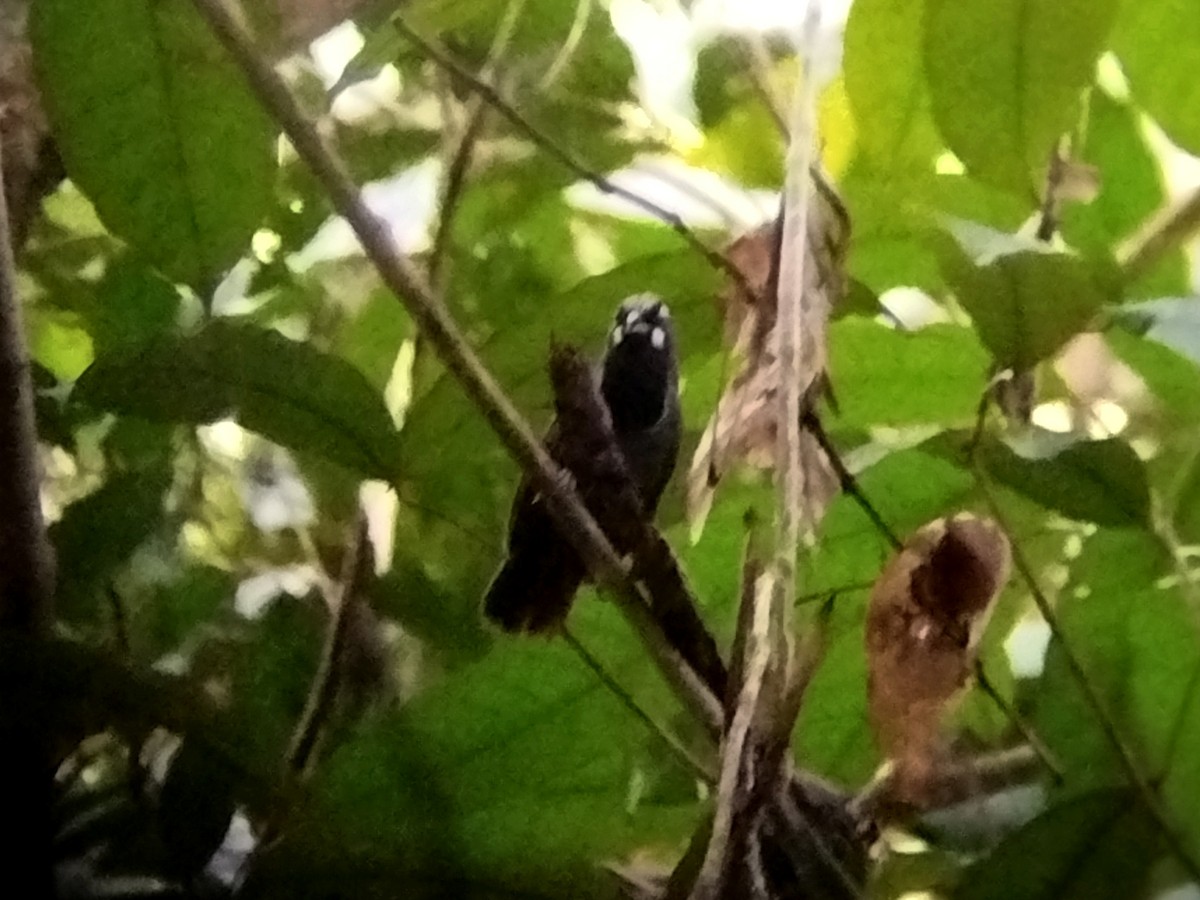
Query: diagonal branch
[1165, 231]
[443, 334]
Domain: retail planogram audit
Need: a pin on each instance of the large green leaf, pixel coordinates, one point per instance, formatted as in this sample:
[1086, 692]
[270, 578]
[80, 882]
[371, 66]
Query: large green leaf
[1099, 846]
[515, 776]
[156, 125]
[1005, 77]
[1156, 40]
[1093, 481]
[1026, 303]
[885, 82]
[285, 390]
[1136, 640]
[884, 376]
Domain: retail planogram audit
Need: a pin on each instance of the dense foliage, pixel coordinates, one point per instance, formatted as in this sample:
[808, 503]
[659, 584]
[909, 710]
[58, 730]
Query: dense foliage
[173, 287]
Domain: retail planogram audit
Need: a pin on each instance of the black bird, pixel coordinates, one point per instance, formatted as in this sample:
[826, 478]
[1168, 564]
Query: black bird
[639, 381]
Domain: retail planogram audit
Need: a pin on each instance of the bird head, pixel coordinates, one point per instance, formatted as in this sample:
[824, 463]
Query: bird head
[640, 368]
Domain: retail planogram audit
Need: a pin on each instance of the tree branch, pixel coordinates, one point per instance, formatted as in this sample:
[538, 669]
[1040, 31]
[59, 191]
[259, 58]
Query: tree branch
[26, 561]
[26, 590]
[1165, 231]
[443, 334]
[356, 568]
[985, 774]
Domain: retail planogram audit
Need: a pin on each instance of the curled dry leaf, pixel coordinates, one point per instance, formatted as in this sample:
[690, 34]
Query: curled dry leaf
[744, 427]
[928, 610]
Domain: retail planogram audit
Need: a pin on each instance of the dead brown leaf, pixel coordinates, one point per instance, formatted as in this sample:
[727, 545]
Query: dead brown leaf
[927, 612]
[744, 428]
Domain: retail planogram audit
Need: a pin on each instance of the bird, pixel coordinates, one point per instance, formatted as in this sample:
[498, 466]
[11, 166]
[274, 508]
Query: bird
[639, 383]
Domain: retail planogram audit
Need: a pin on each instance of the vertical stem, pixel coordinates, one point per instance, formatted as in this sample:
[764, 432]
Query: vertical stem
[26, 583]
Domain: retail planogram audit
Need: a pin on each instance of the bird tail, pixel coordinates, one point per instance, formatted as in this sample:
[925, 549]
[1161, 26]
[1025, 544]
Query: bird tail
[529, 595]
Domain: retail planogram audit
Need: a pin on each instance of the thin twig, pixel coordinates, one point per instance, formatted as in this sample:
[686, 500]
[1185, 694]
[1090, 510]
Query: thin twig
[120, 621]
[758, 657]
[1124, 755]
[455, 179]
[583, 12]
[1165, 231]
[1051, 192]
[699, 768]
[812, 424]
[443, 334]
[758, 70]
[830, 595]
[1010, 712]
[567, 160]
[328, 678]
[958, 782]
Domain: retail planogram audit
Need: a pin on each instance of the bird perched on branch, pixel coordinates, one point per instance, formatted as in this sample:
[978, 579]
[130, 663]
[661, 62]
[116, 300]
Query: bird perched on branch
[639, 383]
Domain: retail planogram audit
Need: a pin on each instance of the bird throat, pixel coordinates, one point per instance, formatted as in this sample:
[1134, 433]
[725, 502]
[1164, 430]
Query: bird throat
[635, 382]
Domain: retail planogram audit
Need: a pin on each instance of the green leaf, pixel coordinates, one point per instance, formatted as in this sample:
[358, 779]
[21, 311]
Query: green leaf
[162, 134]
[371, 339]
[885, 83]
[1137, 643]
[1026, 302]
[97, 534]
[1092, 481]
[1155, 41]
[1005, 77]
[1097, 846]
[884, 376]
[287, 391]
[512, 776]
